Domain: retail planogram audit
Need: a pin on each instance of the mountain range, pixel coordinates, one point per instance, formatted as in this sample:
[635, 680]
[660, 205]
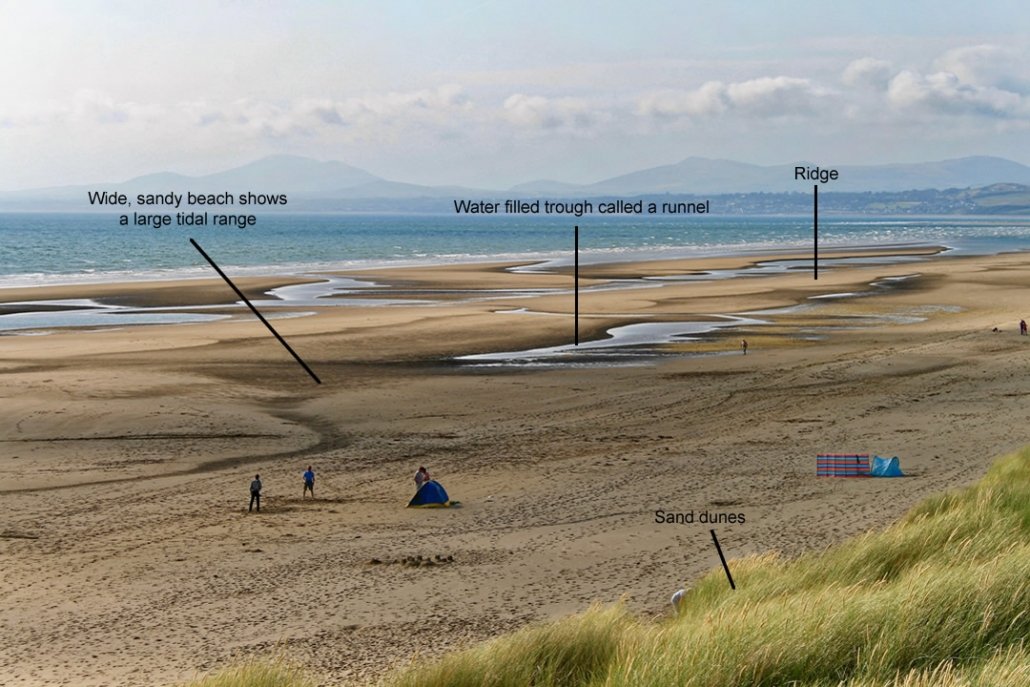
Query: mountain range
[332, 185]
[696, 175]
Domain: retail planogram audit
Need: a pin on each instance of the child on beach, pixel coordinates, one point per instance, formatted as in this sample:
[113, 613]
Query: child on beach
[743, 346]
[1022, 327]
[309, 483]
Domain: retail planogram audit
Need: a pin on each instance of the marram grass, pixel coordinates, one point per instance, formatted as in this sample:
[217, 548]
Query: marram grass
[942, 599]
[274, 672]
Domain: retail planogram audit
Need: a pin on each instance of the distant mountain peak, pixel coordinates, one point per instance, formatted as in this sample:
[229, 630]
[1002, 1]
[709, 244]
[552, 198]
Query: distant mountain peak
[279, 173]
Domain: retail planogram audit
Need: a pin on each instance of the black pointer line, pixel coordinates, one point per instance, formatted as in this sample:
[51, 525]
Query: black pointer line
[255, 311]
[576, 279]
[815, 232]
[723, 559]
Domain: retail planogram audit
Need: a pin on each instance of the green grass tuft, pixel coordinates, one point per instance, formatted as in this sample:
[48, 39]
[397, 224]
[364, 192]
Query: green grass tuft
[274, 672]
[572, 651]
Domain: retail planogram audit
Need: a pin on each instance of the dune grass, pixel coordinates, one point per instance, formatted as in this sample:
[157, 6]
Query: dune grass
[275, 672]
[941, 598]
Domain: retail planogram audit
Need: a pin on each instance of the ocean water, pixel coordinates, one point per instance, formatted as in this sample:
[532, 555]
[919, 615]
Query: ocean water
[53, 248]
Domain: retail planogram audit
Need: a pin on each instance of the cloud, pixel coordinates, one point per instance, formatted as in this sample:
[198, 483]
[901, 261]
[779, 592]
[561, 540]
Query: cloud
[947, 94]
[865, 92]
[868, 72]
[250, 116]
[324, 111]
[535, 112]
[412, 104]
[988, 81]
[975, 82]
[764, 97]
[987, 65]
[709, 99]
[84, 107]
[388, 117]
[775, 96]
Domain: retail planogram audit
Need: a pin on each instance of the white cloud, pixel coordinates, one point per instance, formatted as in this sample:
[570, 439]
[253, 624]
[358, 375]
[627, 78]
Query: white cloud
[85, 107]
[866, 96]
[535, 112]
[412, 104]
[323, 110]
[764, 97]
[945, 93]
[249, 117]
[988, 65]
[868, 72]
[985, 83]
[775, 96]
[709, 99]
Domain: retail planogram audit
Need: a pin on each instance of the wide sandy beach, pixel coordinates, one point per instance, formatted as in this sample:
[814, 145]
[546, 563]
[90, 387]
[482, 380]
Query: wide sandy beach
[129, 557]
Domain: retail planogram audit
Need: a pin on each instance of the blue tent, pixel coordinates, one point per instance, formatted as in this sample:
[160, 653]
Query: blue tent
[886, 467]
[430, 495]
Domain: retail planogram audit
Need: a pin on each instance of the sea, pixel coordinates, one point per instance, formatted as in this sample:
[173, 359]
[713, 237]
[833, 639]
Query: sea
[38, 249]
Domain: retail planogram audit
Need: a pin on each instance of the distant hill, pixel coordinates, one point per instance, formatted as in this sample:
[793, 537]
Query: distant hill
[288, 174]
[546, 187]
[946, 186]
[700, 175]
[309, 184]
[703, 175]
[996, 199]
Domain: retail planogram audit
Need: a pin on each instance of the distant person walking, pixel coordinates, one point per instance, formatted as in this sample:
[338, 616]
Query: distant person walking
[255, 494]
[421, 477]
[743, 346]
[309, 482]
[1022, 327]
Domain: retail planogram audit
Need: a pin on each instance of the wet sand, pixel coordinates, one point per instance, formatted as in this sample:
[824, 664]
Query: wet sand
[125, 455]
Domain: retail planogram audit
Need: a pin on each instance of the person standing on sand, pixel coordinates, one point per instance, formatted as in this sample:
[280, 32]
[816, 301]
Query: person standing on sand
[255, 494]
[743, 346]
[1022, 327]
[309, 483]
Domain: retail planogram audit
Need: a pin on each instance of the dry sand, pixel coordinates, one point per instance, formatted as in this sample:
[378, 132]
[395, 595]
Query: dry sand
[128, 556]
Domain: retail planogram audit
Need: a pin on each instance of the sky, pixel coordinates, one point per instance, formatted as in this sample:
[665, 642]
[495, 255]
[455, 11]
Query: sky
[489, 93]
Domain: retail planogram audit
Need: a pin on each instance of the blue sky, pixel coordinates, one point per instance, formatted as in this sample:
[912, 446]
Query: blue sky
[496, 93]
